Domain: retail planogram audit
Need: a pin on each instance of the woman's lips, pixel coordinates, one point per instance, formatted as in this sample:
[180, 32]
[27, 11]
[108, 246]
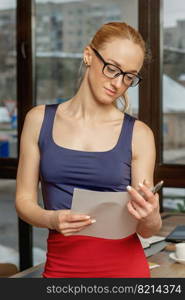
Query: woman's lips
[110, 92]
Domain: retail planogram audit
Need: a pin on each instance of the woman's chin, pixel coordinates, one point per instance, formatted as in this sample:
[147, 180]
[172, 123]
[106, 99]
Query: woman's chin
[104, 99]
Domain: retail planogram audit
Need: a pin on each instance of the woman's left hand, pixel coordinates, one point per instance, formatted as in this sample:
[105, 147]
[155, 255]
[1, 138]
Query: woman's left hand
[145, 206]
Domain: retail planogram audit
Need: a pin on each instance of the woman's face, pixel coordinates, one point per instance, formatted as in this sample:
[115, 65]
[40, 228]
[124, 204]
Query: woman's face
[122, 53]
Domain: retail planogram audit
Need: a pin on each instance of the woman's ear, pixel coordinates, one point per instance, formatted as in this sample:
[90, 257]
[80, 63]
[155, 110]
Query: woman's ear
[87, 55]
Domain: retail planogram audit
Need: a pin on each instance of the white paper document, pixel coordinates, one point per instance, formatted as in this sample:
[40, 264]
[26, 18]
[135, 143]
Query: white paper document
[109, 209]
[147, 242]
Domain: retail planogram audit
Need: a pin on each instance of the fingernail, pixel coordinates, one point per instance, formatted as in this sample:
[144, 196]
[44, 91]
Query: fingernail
[93, 221]
[87, 217]
[129, 187]
[140, 184]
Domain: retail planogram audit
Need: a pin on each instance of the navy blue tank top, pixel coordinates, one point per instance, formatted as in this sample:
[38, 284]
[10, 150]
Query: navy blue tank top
[63, 169]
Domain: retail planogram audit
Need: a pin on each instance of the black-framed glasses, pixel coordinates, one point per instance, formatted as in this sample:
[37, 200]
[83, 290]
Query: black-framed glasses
[112, 71]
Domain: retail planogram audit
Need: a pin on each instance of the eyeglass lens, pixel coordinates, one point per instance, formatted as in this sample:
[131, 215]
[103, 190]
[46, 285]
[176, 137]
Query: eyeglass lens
[113, 72]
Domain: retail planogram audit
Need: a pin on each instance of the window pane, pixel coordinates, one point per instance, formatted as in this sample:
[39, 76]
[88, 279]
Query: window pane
[8, 111]
[174, 199]
[9, 252]
[174, 82]
[63, 28]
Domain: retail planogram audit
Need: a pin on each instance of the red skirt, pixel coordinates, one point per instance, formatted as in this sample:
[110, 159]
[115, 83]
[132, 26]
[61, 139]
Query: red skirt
[92, 257]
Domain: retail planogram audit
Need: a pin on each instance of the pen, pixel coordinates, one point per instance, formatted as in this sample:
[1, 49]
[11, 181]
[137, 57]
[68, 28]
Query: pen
[157, 187]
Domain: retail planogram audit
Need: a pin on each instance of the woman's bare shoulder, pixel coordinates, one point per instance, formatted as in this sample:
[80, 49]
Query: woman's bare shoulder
[143, 138]
[33, 121]
[36, 113]
[141, 129]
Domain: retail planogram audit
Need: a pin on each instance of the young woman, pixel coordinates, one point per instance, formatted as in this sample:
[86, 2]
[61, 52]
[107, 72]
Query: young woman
[87, 142]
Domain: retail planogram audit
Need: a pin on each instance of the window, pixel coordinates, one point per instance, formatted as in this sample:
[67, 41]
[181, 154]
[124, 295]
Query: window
[8, 110]
[174, 200]
[57, 70]
[174, 82]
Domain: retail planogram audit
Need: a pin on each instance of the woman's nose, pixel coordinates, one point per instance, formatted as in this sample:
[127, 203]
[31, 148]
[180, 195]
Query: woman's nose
[118, 81]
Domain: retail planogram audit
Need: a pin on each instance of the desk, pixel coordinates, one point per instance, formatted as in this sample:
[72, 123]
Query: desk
[167, 269]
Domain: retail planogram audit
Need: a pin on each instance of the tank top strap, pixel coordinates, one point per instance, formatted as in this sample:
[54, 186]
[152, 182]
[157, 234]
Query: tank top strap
[125, 141]
[47, 124]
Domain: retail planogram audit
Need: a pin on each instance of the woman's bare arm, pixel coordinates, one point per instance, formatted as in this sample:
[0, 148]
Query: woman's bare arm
[144, 209]
[64, 221]
[28, 172]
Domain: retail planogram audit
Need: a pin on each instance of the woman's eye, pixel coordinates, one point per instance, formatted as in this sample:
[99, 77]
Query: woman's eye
[111, 69]
[130, 77]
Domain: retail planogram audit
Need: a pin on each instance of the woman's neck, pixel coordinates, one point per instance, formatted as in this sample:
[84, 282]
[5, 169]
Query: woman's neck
[85, 106]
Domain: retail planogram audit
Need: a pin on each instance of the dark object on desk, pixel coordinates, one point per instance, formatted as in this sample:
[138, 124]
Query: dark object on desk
[177, 235]
[155, 248]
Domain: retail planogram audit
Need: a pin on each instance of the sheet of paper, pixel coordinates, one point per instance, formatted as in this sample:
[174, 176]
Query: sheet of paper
[153, 265]
[113, 220]
[147, 242]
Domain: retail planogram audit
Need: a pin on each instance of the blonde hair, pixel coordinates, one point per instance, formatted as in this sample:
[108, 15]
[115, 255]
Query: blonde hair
[106, 33]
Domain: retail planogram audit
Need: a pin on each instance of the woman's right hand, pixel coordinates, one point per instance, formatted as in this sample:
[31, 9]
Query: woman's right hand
[67, 222]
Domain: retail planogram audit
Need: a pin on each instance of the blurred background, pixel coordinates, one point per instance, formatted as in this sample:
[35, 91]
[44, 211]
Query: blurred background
[41, 45]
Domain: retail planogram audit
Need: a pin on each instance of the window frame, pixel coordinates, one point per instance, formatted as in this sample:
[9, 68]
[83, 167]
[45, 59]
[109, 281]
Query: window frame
[150, 110]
